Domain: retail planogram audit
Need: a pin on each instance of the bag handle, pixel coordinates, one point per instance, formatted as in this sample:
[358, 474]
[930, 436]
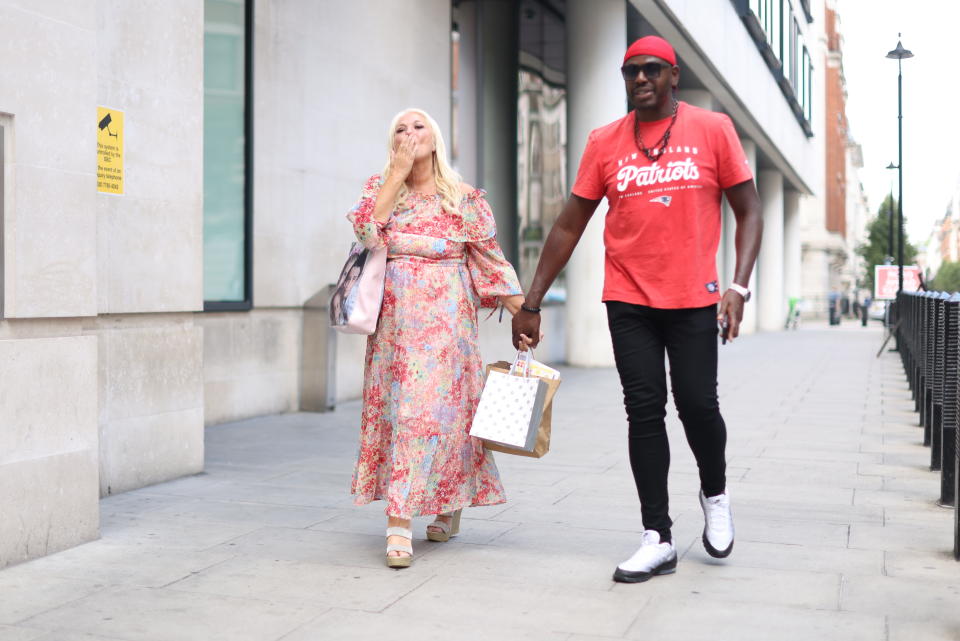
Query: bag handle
[521, 364]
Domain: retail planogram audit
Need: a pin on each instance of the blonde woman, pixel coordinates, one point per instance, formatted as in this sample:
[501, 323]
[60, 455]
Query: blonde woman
[423, 374]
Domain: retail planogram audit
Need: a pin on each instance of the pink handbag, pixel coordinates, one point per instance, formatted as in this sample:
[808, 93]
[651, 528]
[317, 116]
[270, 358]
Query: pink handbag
[356, 300]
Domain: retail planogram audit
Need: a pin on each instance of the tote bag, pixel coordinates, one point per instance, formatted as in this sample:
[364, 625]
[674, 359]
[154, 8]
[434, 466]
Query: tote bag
[515, 412]
[358, 295]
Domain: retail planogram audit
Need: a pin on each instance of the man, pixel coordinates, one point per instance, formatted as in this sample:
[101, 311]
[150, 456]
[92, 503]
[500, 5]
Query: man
[663, 169]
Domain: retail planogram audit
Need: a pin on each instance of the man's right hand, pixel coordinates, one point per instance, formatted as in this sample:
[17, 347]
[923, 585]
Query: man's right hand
[526, 325]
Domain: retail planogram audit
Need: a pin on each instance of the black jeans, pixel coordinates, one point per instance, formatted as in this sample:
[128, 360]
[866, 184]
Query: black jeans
[689, 337]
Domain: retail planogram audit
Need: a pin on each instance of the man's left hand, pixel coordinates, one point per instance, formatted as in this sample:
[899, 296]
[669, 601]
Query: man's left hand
[731, 311]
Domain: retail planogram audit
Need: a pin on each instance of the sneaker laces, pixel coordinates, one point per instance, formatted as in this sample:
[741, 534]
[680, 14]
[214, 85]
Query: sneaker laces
[718, 518]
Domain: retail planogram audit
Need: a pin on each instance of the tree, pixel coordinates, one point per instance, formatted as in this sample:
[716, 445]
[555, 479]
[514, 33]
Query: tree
[876, 249]
[947, 278]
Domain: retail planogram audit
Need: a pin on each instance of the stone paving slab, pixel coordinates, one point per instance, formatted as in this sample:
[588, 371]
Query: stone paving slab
[11, 633]
[911, 630]
[161, 615]
[506, 605]
[371, 626]
[838, 531]
[107, 562]
[24, 595]
[700, 618]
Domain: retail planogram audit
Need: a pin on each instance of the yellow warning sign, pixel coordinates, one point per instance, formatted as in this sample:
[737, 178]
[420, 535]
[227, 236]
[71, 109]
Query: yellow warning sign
[109, 151]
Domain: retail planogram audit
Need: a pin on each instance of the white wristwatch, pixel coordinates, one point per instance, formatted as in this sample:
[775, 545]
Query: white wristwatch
[743, 291]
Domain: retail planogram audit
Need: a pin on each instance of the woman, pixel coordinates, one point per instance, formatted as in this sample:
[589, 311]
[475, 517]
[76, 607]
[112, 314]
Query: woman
[423, 373]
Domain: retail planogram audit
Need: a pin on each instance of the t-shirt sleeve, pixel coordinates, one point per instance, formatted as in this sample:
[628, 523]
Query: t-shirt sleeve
[589, 183]
[732, 165]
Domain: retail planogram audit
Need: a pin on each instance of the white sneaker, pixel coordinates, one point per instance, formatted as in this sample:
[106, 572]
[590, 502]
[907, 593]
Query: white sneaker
[718, 525]
[653, 558]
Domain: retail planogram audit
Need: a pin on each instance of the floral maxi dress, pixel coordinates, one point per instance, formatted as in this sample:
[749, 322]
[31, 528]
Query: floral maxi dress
[423, 374]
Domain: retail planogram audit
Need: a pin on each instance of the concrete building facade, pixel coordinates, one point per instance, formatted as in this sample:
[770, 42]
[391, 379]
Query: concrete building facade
[943, 243]
[835, 219]
[131, 320]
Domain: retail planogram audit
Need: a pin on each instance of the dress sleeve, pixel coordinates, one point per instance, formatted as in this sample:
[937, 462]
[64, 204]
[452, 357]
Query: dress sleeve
[491, 272]
[370, 232]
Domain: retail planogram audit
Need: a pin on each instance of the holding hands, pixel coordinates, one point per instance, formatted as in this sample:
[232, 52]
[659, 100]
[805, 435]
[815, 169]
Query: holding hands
[522, 340]
[526, 326]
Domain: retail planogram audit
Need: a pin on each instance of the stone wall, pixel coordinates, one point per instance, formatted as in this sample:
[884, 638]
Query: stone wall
[101, 385]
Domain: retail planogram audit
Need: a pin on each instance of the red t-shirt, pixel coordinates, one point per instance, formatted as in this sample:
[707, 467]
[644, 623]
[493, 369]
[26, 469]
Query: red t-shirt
[663, 223]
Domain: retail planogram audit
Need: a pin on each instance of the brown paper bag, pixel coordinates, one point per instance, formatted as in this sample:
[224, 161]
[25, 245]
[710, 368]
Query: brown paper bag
[543, 433]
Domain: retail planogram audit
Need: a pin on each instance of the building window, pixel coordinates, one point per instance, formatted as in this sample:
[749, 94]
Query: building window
[541, 133]
[227, 197]
[776, 31]
[795, 49]
[768, 15]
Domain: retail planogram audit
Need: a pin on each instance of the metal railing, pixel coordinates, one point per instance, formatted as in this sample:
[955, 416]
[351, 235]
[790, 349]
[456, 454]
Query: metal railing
[927, 329]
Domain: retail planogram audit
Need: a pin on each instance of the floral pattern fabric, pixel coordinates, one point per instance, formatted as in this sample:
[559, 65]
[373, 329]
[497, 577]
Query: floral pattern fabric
[423, 372]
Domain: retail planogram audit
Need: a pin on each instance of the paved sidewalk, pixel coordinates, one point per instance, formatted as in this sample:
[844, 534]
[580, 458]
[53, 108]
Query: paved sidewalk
[838, 534]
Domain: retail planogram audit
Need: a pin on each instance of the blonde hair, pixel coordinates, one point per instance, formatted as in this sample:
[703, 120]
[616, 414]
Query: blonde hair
[447, 180]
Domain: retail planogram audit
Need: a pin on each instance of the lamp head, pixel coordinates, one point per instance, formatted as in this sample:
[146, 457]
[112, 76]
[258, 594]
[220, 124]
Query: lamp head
[892, 166]
[900, 53]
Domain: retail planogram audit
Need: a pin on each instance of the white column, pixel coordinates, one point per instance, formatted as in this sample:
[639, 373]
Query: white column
[792, 262]
[596, 40]
[749, 323]
[770, 300]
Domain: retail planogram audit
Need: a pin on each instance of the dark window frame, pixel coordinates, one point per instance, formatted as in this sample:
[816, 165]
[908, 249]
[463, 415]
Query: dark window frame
[797, 97]
[246, 304]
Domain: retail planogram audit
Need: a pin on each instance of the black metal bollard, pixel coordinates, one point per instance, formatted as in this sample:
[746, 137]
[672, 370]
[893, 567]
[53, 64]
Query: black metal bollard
[930, 348]
[951, 381]
[926, 363]
[905, 302]
[916, 371]
[956, 435]
[909, 306]
[936, 380]
[915, 347]
[956, 493]
[921, 364]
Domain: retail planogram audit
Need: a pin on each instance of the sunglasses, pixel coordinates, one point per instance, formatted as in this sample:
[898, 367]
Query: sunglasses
[651, 70]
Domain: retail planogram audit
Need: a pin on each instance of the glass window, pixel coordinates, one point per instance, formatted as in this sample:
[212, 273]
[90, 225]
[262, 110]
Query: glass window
[541, 166]
[789, 52]
[541, 134]
[226, 206]
[777, 33]
[795, 48]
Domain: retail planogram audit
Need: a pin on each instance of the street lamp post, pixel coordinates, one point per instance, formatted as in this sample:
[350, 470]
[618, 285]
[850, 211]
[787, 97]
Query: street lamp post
[899, 54]
[890, 218]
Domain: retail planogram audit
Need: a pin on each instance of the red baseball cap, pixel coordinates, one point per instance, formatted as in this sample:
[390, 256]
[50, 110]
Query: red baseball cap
[652, 46]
